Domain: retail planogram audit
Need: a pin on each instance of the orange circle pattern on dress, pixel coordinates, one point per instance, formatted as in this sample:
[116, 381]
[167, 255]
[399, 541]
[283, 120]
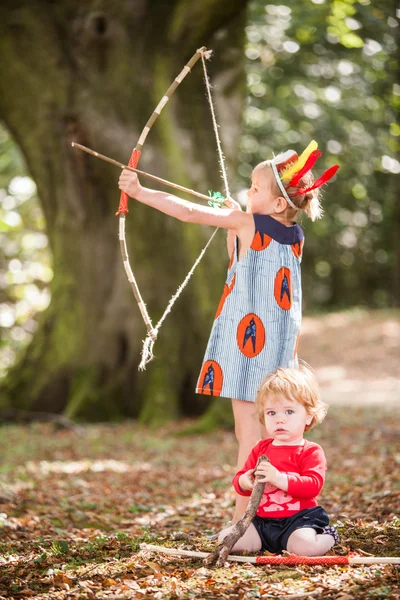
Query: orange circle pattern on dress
[250, 335]
[283, 288]
[211, 378]
[297, 248]
[260, 241]
[225, 294]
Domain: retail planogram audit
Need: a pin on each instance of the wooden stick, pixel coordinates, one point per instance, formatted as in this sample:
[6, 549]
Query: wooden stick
[374, 560]
[192, 553]
[283, 560]
[143, 173]
[220, 554]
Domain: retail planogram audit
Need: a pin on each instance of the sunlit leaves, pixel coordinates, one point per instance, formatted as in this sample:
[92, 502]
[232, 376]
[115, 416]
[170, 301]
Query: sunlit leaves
[390, 164]
[25, 269]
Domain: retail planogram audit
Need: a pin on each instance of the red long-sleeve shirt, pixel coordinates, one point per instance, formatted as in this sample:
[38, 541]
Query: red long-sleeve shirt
[305, 468]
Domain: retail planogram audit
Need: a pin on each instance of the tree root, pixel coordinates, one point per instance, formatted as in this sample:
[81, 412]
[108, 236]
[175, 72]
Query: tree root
[14, 415]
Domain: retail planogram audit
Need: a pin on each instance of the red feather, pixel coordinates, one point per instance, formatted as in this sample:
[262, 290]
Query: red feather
[312, 159]
[323, 179]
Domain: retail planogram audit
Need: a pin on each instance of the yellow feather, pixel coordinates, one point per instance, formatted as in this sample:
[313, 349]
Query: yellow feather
[289, 171]
[293, 168]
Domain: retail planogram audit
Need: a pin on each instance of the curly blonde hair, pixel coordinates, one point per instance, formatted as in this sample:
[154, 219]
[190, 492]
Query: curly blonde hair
[295, 384]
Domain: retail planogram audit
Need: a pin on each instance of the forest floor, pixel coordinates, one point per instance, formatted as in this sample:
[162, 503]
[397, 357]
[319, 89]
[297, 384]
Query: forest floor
[76, 505]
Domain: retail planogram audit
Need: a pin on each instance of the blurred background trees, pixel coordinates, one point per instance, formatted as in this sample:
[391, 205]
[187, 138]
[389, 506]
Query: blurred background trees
[315, 69]
[328, 70]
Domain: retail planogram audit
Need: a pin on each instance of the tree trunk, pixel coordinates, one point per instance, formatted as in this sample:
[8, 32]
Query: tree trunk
[92, 73]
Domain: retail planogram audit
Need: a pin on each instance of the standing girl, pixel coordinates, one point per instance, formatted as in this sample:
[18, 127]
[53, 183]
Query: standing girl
[257, 323]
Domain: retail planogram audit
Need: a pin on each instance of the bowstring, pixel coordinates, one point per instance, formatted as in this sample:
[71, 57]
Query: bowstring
[221, 156]
[148, 343]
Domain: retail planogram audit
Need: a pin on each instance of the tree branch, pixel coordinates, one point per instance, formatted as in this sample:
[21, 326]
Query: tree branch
[222, 551]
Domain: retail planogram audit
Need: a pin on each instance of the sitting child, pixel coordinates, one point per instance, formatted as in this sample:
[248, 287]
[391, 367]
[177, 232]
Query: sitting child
[288, 517]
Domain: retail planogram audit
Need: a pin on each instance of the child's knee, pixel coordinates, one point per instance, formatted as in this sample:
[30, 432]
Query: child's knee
[250, 541]
[302, 543]
[306, 542]
[247, 545]
[301, 548]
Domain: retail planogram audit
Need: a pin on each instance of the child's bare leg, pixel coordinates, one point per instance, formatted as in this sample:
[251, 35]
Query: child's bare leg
[250, 541]
[248, 433]
[307, 542]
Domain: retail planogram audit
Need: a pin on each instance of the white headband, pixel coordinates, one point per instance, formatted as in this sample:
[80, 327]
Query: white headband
[281, 186]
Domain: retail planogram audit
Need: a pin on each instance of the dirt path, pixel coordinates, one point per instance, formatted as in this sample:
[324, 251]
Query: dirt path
[355, 354]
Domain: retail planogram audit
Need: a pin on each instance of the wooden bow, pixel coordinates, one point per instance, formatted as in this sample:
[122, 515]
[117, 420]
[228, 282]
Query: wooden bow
[216, 199]
[133, 162]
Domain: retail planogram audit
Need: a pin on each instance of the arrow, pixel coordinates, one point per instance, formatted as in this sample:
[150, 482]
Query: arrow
[143, 173]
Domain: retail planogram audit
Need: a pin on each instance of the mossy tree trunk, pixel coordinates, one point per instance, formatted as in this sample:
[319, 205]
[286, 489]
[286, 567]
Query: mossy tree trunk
[92, 72]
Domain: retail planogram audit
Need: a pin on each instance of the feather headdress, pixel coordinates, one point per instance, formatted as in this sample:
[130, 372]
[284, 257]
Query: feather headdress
[288, 171]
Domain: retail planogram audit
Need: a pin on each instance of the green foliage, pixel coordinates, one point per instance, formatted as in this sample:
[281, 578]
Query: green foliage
[139, 508]
[60, 547]
[327, 70]
[25, 261]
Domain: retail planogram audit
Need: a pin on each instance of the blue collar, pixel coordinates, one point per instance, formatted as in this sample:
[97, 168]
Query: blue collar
[265, 224]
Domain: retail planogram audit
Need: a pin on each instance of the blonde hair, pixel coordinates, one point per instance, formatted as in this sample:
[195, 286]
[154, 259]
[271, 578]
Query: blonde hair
[295, 384]
[308, 203]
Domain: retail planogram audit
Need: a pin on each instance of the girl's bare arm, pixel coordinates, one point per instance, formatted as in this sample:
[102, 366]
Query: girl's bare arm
[189, 212]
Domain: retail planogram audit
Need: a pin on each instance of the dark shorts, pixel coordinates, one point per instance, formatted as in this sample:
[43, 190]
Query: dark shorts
[274, 533]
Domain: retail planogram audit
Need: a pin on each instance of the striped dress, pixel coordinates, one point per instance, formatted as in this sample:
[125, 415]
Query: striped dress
[256, 327]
